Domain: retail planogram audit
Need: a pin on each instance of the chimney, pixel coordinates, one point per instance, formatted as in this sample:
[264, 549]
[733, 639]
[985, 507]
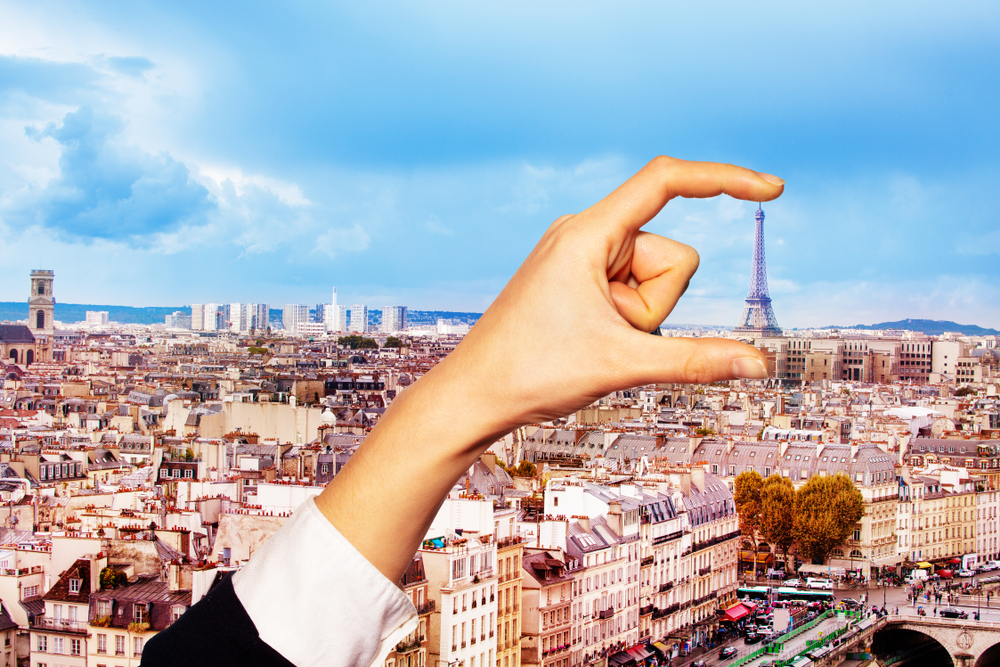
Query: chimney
[97, 563]
[584, 522]
[173, 576]
[490, 460]
[698, 477]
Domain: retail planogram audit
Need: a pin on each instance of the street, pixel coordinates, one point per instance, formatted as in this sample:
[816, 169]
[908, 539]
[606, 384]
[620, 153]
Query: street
[894, 598]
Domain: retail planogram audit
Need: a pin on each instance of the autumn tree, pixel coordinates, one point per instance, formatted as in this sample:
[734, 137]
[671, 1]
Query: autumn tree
[777, 512]
[747, 499]
[826, 511]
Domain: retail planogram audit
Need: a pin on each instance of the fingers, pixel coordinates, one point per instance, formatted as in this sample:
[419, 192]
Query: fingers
[641, 197]
[652, 359]
[658, 275]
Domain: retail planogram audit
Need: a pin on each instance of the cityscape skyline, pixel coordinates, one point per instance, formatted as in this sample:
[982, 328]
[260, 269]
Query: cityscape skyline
[418, 175]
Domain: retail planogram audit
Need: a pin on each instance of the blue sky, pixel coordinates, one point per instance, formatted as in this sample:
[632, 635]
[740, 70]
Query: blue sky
[412, 153]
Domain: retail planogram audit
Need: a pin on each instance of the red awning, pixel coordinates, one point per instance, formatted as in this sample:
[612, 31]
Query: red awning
[955, 561]
[737, 612]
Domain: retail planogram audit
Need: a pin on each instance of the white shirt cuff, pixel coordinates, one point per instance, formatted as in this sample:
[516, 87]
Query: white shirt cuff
[317, 601]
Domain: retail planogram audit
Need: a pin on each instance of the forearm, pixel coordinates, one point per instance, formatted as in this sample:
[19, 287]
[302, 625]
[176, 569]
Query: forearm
[386, 497]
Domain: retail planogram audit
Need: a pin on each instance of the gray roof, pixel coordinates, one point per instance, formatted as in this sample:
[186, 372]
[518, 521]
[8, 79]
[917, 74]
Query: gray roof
[15, 333]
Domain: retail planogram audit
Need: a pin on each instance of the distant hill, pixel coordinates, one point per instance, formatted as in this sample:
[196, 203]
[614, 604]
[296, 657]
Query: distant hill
[77, 312]
[929, 327]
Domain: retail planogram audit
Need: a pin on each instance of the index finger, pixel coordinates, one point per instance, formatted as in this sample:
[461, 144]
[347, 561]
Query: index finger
[636, 201]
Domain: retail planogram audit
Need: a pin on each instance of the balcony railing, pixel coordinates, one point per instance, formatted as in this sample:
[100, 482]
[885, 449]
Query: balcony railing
[666, 538]
[646, 560]
[666, 586]
[606, 613]
[705, 570]
[426, 607]
[408, 646]
[59, 625]
[648, 609]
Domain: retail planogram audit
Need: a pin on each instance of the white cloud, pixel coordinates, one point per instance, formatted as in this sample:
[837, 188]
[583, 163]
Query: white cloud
[435, 226]
[339, 240]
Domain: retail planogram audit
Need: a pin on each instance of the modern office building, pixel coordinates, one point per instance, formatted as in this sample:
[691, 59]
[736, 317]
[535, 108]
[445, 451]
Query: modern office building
[359, 319]
[393, 319]
[293, 314]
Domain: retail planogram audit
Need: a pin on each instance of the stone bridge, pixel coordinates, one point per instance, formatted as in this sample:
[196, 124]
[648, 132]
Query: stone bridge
[969, 643]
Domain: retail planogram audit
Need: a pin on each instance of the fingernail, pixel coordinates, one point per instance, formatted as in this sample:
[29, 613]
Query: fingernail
[771, 179]
[749, 368]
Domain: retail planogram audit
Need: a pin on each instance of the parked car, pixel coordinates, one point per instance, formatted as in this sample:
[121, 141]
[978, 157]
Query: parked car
[951, 612]
[775, 574]
[820, 583]
[752, 638]
[728, 652]
[699, 663]
[792, 582]
[966, 573]
[850, 603]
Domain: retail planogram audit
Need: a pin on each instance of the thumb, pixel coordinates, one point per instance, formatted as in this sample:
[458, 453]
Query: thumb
[653, 359]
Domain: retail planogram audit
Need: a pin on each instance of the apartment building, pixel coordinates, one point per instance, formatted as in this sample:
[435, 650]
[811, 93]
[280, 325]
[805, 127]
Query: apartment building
[60, 635]
[462, 582]
[411, 651]
[547, 597]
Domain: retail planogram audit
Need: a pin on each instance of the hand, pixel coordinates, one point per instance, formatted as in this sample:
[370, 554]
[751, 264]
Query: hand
[571, 325]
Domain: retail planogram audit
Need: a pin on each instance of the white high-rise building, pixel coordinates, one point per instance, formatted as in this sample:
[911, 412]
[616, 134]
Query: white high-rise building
[258, 315]
[197, 317]
[292, 314]
[213, 317]
[341, 318]
[238, 317]
[393, 319]
[178, 320]
[359, 319]
[330, 315]
[97, 318]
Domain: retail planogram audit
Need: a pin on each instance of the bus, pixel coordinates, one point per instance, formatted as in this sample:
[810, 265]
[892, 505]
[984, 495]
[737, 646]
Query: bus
[794, 594]
[754, 593]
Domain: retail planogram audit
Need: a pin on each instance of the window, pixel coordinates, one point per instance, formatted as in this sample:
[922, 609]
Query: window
[139, 613]
[103, 608]
[189, 474]
[102, 644]
[74, 586]
[57, 644]
[74, 647]
[43, 643]
[136, 646]
[176, 612]
[119, 644]
[29, 592]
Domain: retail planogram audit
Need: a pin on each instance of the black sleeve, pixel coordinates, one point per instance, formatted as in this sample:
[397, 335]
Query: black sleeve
[215, 632]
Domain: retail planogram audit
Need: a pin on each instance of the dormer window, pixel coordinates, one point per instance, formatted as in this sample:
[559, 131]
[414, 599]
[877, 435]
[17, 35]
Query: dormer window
[74, 586]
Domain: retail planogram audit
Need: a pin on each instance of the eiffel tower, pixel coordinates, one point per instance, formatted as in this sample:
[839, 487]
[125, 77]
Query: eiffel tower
[758, 319]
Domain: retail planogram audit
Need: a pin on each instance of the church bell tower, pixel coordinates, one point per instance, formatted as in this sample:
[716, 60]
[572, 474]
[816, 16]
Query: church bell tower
[41, 304]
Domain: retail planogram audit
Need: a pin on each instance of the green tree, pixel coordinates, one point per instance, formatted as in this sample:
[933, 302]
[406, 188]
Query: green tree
[965, 391]
[356, 342]
[393, 341]
[777, 512]
[826, 511]
[747, 499]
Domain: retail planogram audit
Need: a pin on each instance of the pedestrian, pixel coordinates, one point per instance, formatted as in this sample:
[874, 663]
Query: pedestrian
[897, 611]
